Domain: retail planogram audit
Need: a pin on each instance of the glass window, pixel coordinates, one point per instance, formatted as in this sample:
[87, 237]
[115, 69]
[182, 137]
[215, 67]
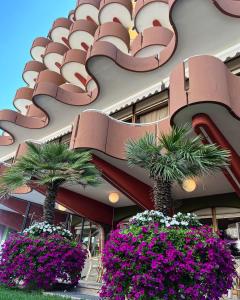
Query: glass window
[154, 115]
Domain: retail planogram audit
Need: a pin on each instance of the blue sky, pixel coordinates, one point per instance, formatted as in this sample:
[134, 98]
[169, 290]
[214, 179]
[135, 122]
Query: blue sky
[21, 21]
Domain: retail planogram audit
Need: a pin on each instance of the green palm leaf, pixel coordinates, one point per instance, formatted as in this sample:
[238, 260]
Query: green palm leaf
[174, 157]
[51, 165]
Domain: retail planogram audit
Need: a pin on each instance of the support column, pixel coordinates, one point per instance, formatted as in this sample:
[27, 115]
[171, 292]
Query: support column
[26, 215]
[214, 219]
[82, 228]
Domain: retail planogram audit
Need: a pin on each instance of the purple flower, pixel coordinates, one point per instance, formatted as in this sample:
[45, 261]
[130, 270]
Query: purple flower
[40, 262]
[151, 262]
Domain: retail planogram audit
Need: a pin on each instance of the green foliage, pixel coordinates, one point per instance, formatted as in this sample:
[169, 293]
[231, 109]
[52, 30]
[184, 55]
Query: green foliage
[50, 164]
[16, 294]
[175, 156]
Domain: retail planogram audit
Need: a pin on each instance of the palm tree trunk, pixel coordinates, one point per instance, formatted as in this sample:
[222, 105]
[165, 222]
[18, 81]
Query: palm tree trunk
[162, 196]
[49, 204]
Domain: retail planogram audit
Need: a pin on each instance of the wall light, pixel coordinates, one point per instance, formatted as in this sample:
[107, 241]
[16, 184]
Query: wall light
[189, 185]
[113, 197]
[61, 207]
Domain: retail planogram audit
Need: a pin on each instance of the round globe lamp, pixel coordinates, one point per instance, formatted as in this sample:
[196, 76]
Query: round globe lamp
[113, 197]
[189, 185]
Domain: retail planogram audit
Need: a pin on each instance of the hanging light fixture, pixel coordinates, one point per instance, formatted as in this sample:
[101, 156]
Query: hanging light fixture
[113, 197]
[189, 185]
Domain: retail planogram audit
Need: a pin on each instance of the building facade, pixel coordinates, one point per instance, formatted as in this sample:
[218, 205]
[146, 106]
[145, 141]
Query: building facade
[112, 71]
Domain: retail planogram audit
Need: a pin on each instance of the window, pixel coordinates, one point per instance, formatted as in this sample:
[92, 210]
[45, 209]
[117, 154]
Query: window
[65, 139]
[150, 109]
[125, 115]
[154, 115]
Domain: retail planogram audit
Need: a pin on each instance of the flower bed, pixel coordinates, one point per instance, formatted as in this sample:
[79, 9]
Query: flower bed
[40, 262]
[164, 260]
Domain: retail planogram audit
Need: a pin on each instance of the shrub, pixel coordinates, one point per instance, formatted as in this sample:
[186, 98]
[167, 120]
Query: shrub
[40, 262]
[153, 262]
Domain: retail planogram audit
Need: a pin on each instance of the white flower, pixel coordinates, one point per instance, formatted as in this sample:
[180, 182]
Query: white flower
[174, 222]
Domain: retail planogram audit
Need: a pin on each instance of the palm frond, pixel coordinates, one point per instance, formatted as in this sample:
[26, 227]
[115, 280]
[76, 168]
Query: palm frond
[12, 179]
[50, 164]
[143, 151]
[33, 148]
[171, 141]
[176, 155]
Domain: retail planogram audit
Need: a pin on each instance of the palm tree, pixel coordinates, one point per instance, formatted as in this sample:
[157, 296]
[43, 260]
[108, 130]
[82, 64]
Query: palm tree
[172, 158]
[50, 165]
